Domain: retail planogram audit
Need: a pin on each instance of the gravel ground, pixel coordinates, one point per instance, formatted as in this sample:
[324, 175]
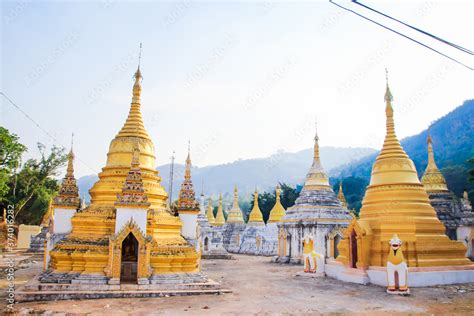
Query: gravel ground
[263, 288]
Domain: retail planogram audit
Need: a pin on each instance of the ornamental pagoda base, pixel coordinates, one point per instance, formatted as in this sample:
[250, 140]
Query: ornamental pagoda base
[50, 286]
[417, 277]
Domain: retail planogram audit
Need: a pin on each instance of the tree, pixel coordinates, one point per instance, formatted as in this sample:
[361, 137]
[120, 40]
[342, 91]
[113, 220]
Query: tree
[288, 196]
[11, 151]
[471, 180]
[31, 189]
[354, 191]
[471, 172]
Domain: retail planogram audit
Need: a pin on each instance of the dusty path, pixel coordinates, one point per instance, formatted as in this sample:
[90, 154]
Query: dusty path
[260, 287]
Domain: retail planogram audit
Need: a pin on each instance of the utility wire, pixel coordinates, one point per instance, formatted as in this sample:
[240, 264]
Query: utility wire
[403, 35]
[416, 29]
[41, 128]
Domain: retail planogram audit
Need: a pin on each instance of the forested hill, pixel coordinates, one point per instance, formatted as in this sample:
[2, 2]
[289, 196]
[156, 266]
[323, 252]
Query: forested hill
[453, 143]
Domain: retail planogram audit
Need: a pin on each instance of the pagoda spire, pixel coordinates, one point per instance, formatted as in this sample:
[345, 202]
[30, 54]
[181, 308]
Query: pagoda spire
[220, 219]
[316, 176]
[391, 146]
[210, 212]
[316, 143]
[134, 126]
[255, 215]
[278, 211]
[433, 179]
[235, 214]
[68, 195]
[70, 159]
[187, 197]
[340, 195]
[187, 172]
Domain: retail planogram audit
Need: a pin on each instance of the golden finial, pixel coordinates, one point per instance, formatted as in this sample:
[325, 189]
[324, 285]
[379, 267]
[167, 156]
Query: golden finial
[187, 172]
[140, 56]
[432, 178]
[340, 195]
[210, 212]
[220, 218]
[278, 192]
[137, 88]
[189, 150]
[70, 163]
[236, 198]
[316, 141]
[388, 94]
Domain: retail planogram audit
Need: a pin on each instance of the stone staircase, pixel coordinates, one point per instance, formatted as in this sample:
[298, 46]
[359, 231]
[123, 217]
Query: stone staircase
[160, 285]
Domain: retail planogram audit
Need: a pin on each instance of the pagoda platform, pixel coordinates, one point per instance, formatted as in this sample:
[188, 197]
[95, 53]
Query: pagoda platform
[417, 276]
[160, 286]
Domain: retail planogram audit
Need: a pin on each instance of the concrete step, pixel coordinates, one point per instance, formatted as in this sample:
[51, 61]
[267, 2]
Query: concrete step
[28, 296]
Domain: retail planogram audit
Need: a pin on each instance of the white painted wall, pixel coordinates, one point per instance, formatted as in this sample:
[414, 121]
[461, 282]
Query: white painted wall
[464, 235]
[62, 220]
[188, 230]
[124, 215]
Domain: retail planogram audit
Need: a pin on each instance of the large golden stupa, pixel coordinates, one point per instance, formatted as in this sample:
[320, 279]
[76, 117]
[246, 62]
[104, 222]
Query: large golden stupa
[89, 247]
[396, 203]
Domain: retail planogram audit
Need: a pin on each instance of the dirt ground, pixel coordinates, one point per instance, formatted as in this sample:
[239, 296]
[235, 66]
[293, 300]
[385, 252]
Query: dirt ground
[263, 288]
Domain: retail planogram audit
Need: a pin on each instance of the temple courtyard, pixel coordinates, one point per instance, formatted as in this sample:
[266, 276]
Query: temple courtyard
[261, 287]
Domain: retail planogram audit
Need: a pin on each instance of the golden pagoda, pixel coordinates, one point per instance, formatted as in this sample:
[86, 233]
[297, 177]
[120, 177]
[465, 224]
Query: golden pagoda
[433, 179]
[235, 214]
[68, 195]
[340, 195]
[210, 212]
[104, 192]
[133, 192]
[278, 211]
[396, 203]
[187, 202]
[220, 219]
[129, 182]
[255, 216]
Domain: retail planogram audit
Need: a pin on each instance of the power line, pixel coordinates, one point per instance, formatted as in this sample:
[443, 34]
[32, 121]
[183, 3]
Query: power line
[416, 29]
[41, 128]
[403, 35]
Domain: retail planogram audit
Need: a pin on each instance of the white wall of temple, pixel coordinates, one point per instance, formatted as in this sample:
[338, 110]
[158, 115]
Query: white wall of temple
[62, 220]
[465, 234]
[188, 230]
[296, 242]
[124, 215]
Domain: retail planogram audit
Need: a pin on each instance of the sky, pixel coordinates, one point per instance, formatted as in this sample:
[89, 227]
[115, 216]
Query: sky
[238, 79]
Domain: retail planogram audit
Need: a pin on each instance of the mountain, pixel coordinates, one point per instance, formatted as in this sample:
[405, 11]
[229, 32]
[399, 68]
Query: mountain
[247, 174]
[453, 144]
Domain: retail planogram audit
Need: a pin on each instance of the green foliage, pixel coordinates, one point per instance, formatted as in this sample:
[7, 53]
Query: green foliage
[245, 207]
[354, 190]
[288, 195]
[34, 185]
[471, 172]
[10, 158]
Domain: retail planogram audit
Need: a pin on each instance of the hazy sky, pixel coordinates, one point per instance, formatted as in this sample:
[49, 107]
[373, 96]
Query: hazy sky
[240, 79]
